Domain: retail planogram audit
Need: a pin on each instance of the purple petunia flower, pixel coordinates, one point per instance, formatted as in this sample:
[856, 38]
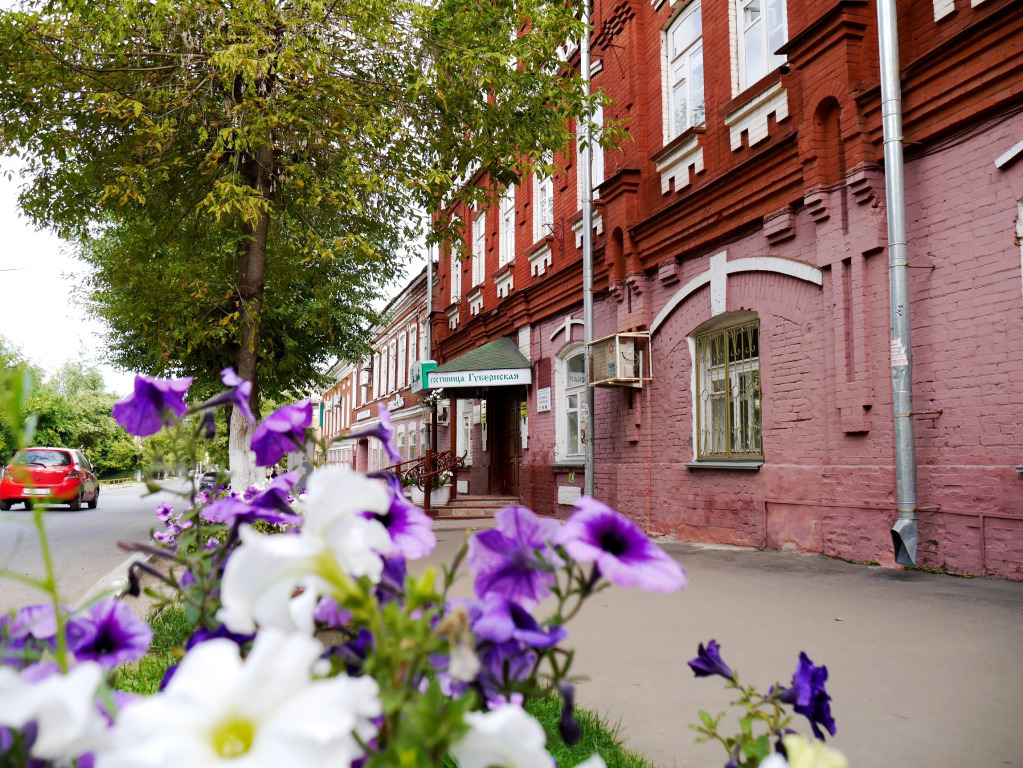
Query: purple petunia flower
[623, 554]
[410, 528]
[27, 635]
[503, 665]
[237, 394]
[109, 633]
[503, 620]
[232, 510]
[808, 697]
[708, 662]
[270, 505]
[282, 432]
[383, 432]
[506, 559]
[146, 410]
[329, 613]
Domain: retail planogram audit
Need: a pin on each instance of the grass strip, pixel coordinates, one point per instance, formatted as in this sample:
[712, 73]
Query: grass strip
[171, 631]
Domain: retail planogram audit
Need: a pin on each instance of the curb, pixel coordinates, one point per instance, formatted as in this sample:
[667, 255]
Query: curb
[112, 583]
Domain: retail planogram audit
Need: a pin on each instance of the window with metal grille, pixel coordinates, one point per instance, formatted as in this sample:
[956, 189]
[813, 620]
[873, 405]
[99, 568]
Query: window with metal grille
[728, 414]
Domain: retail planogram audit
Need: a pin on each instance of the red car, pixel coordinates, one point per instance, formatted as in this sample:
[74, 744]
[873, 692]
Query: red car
[49, 476]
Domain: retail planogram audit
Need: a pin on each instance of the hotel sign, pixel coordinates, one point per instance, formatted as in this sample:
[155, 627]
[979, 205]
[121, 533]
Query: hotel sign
[420, 373]
[493, 378]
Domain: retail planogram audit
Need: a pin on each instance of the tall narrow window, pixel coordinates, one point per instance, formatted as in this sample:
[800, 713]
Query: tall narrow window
[413, 348]
[685, 70]
[479, 247]
[543, 207]
[575, 386]
[461, 411]
[507, 226]
[456, 279]
[392, 365]
[402, 359]
[762, 31]
[728, 407]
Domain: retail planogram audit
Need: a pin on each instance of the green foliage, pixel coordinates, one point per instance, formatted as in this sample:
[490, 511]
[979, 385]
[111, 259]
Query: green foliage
[245, 176]
[171, 631]
[598, 736]
[70, 409]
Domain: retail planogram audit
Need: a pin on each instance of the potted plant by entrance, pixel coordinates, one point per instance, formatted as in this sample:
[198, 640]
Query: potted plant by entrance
[440, 494]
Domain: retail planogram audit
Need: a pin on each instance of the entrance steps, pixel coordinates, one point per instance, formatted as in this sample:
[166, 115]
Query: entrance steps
[474, 506]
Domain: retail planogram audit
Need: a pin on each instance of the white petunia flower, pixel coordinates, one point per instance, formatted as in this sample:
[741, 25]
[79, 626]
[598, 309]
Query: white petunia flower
[506, 737]
[596, 761]
[62, 706]
[219, 711]
[335, 543]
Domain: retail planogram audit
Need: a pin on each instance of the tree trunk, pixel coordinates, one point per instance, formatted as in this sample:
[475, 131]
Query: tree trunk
[251, 285]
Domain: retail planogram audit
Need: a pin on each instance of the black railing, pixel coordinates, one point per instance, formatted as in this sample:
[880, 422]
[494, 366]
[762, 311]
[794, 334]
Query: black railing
[424, 471]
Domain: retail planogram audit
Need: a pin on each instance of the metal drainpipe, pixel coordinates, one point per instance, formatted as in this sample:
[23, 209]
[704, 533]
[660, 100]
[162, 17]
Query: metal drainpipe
[586, 167]
[905, 531]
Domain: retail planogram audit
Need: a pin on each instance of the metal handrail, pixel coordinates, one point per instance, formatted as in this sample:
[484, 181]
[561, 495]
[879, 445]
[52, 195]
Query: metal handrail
[418, 470]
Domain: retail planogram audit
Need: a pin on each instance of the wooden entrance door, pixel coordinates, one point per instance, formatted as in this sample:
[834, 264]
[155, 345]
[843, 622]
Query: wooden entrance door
[506, 443]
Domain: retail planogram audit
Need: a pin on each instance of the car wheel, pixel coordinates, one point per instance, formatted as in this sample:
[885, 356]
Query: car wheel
[76, 503]
[95, 500]
[5, 505]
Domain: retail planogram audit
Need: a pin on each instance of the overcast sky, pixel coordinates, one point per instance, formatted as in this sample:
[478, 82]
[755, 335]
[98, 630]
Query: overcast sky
[37, 310]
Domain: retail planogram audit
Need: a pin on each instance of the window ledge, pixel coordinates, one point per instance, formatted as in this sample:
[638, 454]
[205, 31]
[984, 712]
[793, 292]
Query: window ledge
[568, 464]
[741, 466]
[1020, 469]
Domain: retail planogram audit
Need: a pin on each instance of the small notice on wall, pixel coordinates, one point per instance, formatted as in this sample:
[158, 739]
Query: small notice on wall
[543, 400]
[568, 494]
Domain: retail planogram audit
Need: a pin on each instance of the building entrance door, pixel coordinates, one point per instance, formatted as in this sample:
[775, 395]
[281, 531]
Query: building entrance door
[503, 411]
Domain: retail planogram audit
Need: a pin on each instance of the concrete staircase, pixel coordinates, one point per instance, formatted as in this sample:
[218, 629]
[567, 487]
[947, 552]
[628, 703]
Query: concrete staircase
[474, 506]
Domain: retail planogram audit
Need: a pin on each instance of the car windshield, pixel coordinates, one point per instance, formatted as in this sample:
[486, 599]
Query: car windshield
[44, 458]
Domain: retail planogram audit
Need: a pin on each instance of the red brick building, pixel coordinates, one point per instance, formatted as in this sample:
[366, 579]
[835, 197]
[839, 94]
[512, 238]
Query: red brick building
[743, 226]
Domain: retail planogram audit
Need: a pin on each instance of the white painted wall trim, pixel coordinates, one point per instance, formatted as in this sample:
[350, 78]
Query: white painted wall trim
[717, 276]
[676, 165]
[752, 116]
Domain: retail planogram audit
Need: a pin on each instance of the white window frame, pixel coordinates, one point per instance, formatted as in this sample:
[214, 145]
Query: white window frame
[479, 248]
[377, 380]
[402, 371]
[596, 158]
[463, 428]
[392, 364]
[759, 34]
[727, 391]
[564, 393]
[456, 279]
[413, 348]
[506, 226]
[543, 206]
[684, 71]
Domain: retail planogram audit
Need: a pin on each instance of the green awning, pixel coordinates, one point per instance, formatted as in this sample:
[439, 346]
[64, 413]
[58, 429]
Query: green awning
[497, 363]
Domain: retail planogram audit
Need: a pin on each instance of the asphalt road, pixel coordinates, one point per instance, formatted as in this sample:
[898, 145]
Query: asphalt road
[83, 544]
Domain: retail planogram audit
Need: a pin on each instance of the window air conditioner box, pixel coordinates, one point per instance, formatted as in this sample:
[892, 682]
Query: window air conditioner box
[622, 360]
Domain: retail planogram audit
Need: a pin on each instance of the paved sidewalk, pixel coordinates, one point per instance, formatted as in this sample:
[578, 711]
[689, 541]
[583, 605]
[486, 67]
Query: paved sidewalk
[925, 670]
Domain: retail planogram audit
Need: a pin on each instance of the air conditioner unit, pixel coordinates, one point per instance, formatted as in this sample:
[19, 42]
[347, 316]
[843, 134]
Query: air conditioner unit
[622, 360]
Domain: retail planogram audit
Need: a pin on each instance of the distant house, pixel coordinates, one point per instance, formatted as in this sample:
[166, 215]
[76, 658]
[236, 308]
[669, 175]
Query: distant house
[353, 402]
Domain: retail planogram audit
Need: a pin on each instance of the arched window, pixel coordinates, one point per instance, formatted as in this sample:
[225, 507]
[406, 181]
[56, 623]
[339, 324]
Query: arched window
[728, 394]
[570, 391]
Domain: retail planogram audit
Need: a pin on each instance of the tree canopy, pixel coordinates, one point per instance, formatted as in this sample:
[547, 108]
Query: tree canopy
[266, 156]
